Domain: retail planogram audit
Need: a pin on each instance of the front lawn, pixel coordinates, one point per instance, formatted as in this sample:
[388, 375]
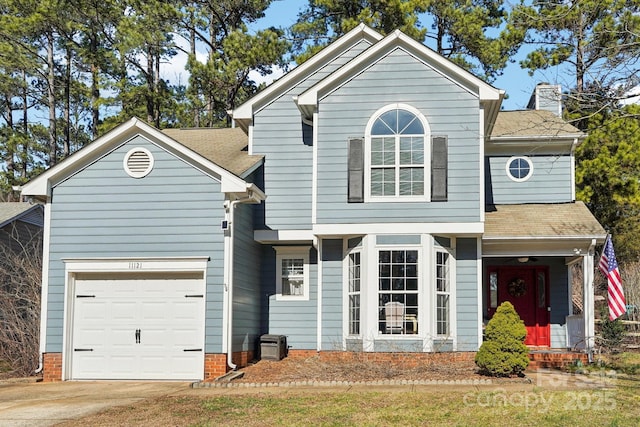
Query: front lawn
[588, 402]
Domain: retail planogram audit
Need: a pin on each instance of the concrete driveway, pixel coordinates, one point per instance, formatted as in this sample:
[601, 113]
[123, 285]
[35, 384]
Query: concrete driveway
[38, 404]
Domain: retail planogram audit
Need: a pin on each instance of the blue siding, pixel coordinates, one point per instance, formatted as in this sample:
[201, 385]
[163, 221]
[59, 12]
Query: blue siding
[467, 304]
[246, 291]
[393, 346]
[332, 292]
[449, 109]
[279, 134]
[398, 240]
[550, 182]
[102, 212]
[295, 319]
[559, 300]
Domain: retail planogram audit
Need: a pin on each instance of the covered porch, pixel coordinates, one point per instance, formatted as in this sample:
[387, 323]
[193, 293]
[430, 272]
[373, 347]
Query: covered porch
[530, 256]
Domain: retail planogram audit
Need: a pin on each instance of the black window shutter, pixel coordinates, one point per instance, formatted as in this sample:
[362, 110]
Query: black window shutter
[355, 190]
[439, 168]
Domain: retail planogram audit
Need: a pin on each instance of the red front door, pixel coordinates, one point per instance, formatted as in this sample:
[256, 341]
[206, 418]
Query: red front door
[527, 288]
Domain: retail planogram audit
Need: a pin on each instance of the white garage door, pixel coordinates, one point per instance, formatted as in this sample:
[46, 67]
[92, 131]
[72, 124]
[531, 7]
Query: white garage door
[138, 327]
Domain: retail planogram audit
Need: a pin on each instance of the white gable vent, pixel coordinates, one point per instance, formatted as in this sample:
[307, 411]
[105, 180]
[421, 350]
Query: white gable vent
[138, 162]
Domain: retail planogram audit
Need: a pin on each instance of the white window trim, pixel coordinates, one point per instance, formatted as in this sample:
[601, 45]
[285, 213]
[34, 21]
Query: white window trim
[433, 292]
[447, 278]
[513, 178]
[427, 291]
[375, 291]
[289, 252]
[427, 158]
[347, 326]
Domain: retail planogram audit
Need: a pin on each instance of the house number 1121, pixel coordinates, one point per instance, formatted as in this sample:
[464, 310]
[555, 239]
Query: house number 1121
[135, 265]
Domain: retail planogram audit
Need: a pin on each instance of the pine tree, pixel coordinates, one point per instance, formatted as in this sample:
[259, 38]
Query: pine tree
[459, 29]
[597, 40]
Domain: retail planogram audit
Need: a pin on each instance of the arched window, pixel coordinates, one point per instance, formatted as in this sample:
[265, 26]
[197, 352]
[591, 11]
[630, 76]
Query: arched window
[397, 135]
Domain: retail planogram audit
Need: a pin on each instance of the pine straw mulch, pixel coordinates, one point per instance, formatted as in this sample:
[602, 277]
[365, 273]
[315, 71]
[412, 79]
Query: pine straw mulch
[314, 369]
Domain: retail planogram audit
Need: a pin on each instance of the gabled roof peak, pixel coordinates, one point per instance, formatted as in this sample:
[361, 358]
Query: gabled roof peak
[40, 187]
[243, 115]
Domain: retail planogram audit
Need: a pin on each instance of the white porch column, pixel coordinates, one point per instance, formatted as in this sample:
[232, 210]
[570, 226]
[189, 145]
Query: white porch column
[587, 292]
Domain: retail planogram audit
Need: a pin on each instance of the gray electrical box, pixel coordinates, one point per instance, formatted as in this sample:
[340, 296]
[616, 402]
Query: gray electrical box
[273, 347]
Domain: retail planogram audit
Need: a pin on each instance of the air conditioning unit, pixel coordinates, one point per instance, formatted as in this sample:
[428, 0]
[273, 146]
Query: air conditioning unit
[273, 347]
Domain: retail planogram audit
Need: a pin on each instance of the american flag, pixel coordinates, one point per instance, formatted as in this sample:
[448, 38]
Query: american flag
[609, 267]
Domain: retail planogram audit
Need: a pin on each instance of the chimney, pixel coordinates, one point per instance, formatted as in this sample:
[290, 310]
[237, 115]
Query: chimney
[546, 97]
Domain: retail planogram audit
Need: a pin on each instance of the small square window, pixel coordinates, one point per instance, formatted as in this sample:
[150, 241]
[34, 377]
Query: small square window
[292, 272]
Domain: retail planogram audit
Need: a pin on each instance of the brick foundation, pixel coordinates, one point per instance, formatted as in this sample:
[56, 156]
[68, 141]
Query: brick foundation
[242, 358]
[215, 365]
[52, 367]
[555, 359]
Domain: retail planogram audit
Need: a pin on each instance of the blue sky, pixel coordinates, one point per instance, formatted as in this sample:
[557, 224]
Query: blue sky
[515, 81]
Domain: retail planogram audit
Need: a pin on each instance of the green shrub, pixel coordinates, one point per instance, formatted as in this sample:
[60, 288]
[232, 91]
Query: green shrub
[503, 352]
[612, 333]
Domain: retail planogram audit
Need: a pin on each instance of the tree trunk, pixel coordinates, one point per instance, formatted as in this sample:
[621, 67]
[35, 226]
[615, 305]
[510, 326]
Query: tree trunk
[51, 100]
[95, 90]
[25, 124]
[440, 35]
[9, 146]
[67, 106]
[149, 79]
[156, 89]
[580, 55]
[192, 50]
[25, 103]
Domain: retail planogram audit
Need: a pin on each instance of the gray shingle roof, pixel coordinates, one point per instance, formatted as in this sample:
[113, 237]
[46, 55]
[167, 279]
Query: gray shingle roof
[532, 123]
[9, 211]
[224, 147]
[541, 221]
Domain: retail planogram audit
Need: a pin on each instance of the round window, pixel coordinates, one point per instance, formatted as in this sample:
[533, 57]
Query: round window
[519, 168]
[138, 162]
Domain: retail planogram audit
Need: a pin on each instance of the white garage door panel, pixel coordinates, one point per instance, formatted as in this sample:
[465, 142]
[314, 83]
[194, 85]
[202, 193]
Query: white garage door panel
[167, 312]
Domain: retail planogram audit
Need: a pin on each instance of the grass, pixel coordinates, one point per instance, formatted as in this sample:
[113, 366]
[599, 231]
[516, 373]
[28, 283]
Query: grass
[598, 398]
[530, 406]
[626, 363]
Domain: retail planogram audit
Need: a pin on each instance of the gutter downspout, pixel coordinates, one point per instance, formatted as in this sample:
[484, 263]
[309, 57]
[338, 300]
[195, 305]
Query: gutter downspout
[229, 207]
[44, 285]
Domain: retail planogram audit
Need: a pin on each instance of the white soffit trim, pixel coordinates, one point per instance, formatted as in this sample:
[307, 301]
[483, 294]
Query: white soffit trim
[273, 236]
[396, 39]
[533, 247]
[455, 229]
[245, 111]
[41, 185]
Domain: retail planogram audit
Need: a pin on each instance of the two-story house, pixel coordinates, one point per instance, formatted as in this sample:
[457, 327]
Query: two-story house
[374, 199]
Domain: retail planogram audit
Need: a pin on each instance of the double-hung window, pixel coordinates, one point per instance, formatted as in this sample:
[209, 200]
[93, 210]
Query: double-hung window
[292, 272]
[398, 291]
[397, 160]
[443, 294]
[354, 293]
